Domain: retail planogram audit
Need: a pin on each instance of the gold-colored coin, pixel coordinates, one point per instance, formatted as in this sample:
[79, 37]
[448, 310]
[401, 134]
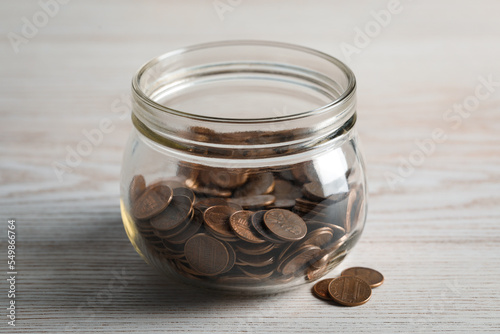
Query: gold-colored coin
[370, 276]
[320, 289]
[349, 291]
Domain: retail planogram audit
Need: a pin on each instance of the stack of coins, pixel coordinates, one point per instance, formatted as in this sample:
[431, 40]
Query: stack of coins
[352, 288]
[235, 227]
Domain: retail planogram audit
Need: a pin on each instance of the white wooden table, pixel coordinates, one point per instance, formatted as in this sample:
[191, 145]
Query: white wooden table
[433, 225]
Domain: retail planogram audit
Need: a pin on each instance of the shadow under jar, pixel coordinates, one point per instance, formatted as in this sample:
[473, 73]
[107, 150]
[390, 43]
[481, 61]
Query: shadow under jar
[243, 171]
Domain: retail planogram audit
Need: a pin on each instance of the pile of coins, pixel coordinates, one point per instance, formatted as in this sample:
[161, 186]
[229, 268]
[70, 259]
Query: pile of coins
[352, 288]
[235, 227]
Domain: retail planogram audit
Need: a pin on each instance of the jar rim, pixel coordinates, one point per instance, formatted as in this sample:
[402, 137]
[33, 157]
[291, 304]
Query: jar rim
[345, 95]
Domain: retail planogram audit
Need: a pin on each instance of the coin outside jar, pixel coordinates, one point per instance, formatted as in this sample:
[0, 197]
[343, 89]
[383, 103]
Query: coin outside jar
[243, 171]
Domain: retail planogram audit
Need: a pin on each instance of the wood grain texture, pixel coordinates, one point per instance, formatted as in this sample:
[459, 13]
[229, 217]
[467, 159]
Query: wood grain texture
[435, 235]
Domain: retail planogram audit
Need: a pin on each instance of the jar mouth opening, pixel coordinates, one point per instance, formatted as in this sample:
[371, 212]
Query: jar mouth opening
[344, 93]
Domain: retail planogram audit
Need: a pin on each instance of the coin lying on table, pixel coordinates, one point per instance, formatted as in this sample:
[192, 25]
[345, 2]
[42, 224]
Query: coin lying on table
[370, 276]
[320, 289]
[349, 290]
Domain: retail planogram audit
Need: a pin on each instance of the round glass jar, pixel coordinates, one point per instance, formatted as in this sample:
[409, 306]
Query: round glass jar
[243, 170]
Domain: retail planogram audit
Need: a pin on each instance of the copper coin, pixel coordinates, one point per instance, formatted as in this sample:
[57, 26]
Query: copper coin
[189, 173]
[283, 204]
[254, 249]
[253, 202]
[137, 187]
[319, 237]
[354, 205]
[258, 272]
[297, 261]
[212, 191]
[258, 184]
[255, 260]
[319, 268]
[370, 276]
[206, 255]
[238, 280]
[208, 202]
[175, 231]
[320, 289]
[232, 258]
[152, 201]
[314, 191]
[242, 227]
[226, 178]
[217, 219]
[193, 227]
[299, 174]
[258, 224]
[173, 184]
[285, 224]
[349, 290]
[183, 191]
[174, 215]
[284, 190]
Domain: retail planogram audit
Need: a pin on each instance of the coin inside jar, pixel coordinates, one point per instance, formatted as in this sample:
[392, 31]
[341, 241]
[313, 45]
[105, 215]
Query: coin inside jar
[137, 187]
[242, 227]
[206, 255]
[259, 184]
[179, 209]
[217, 220]
[253, 202]
[258, 223]
[285, 224]
[152, 201]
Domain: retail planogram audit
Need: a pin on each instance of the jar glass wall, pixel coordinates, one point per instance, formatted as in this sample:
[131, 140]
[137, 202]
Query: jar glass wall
[243, 170]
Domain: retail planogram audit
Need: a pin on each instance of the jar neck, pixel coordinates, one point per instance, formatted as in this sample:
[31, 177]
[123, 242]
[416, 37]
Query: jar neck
[246, 144]
[304, 75]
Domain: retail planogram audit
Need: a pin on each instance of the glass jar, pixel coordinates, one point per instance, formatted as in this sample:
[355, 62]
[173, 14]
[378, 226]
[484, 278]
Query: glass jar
[243, 170]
